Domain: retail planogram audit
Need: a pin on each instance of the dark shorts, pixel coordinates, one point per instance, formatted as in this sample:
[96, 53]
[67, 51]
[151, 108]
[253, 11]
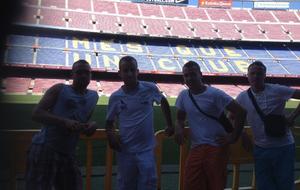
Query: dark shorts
[46, 169]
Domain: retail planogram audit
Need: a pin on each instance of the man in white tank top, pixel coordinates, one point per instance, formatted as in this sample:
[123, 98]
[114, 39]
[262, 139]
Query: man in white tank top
[64, 111]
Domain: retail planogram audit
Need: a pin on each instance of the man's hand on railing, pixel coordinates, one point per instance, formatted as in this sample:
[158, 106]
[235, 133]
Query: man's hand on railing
[90, 128]
[113, 141]
[247, 142]
[169, 131]
[179, 136]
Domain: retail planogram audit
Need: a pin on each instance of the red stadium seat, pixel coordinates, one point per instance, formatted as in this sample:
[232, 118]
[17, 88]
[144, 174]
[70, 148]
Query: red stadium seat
[101, 6]
[126, 8]
[195, 13]
[14, 85]
[218, 14]
[173, 12]
[131, 25]
[150, 10]
[240, 15]
[53, 17]
[80, 20]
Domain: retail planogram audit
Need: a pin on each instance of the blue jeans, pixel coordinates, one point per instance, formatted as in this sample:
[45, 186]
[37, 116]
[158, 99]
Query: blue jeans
[274, 167]
[136, 171]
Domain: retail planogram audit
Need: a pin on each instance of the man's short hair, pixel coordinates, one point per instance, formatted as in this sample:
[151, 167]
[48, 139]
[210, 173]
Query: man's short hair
[191, 64]
[127, 59]
[259, 64]
[81, 61]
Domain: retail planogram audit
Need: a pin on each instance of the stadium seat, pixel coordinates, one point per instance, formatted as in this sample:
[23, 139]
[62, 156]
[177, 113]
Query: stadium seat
[53, 17]
[54, 3]
[108, 87]
[262, 16]
[218, 14]
[107, 24]
[195, 13]
[173, 12]
[171, 92]
[240, 15]
[16, 85]
[127, 8]
[149, 10]
[285, 16]
[81, 21]
[80, 5]
[101, 6]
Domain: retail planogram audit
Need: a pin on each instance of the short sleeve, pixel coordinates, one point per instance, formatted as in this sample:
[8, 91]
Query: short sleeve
[222, 100]
[113, 108]
[156, 94]
[284, 92]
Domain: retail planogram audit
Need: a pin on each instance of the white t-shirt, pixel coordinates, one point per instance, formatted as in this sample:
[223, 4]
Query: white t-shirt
[134, 112]
[271, 100]
[204, 130]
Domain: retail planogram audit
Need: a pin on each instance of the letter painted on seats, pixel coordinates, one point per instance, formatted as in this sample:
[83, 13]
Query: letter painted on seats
[183, 50]
[211, 51]
[134, 47]
[162, 63]
[221, 67]
[84, 42]
[107, 60]
[242, 65]
[231, 52]
[106, 45]
[87, 57]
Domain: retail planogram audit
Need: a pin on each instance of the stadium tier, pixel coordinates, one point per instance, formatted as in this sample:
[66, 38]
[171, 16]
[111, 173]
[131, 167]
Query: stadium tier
[163, 20]
[38, 86]
[152, 56]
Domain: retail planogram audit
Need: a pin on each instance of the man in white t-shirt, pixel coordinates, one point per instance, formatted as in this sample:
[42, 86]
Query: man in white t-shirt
[274, 156]
[206, 165]
[132, 106]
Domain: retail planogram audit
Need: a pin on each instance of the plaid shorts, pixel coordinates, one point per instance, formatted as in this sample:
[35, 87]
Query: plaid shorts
[46, 169]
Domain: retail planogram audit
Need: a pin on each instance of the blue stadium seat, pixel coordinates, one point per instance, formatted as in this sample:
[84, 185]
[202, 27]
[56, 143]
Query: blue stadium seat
[166, 63]
[256, 52]
[134, 47]
[218, 66]
[205, 50]
[52, 42]
[20, 55]
[239, 65]
[292, 66]
[87, 55]
[273, 67]
[20, 40]
[203, 67]
[47, 56]
[108, 45]
[159, 48]
[79, 43]
[233, 52]
[183, 50]
[144, 62]
[109, 61]
[296, 51]
[280, 52]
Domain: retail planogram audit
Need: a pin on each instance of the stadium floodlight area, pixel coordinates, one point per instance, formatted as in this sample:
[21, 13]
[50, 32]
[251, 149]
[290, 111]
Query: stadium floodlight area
[152, 56]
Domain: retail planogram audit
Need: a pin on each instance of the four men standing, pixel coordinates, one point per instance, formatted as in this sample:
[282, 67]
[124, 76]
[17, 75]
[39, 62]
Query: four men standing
[65, 111]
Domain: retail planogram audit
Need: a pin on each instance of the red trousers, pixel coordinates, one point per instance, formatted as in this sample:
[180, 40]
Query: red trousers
[206, 168]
